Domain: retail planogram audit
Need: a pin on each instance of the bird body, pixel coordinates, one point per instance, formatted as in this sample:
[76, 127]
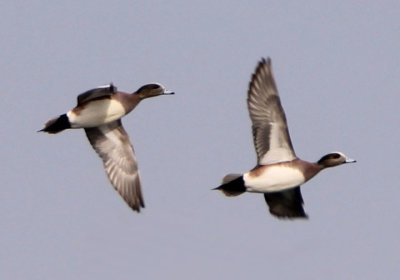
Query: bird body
[96, 113]
[270, 178]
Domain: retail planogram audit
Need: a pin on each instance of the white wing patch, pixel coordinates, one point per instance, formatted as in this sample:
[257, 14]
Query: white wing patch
[279, 150]
[106, 86]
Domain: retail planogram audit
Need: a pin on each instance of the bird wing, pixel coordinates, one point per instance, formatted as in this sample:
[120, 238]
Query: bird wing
[270, 132]
[286, 204]
[96, 93]
[111, 142]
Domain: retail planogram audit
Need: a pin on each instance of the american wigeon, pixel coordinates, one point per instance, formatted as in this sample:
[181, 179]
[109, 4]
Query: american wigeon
[99, 112]
[279, 172]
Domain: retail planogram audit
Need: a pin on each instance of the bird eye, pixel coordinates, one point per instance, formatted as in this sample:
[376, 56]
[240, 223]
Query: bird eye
[155, 86]
[335, 155]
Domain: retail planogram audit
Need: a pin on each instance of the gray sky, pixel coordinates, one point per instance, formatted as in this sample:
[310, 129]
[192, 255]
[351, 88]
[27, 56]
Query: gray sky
[337, 68]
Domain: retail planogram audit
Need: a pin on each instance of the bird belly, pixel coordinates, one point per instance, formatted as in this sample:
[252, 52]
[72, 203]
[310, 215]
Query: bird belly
[272, 178]
[95, 113]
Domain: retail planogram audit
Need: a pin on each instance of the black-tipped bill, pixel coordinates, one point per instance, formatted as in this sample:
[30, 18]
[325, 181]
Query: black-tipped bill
[167, 92]
[350, 160]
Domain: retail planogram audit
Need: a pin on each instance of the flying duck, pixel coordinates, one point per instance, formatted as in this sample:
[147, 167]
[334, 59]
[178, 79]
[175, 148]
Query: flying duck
[99, 112]
[279, 172]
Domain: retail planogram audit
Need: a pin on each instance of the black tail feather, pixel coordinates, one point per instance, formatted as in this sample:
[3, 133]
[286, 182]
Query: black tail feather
[57, 124]
[233, 188]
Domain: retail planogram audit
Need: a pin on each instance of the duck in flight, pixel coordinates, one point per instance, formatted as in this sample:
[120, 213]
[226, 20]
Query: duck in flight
[279, 172]
[99, 112]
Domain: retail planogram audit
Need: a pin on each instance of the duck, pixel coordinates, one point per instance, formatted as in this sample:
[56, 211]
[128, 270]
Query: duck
[99, 112]
[278, 173]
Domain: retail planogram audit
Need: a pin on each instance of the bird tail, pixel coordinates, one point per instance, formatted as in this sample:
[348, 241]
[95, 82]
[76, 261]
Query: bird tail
[232, 185]
[57, 124]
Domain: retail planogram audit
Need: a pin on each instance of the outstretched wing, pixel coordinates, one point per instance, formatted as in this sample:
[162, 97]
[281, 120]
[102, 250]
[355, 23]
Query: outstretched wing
[96, 93]
[286, 204]
[270, 132]
[111, 142]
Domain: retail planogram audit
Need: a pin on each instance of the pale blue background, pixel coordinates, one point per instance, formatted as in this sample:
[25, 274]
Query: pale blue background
[337, 67]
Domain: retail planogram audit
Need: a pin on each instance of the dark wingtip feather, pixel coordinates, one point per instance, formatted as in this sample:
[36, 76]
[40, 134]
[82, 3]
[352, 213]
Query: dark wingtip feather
[286, 204]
